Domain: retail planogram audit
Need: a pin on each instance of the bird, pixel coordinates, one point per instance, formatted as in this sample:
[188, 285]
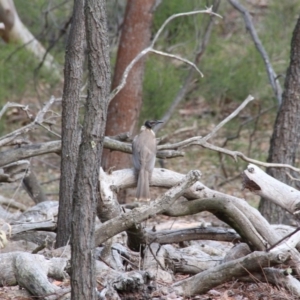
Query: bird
[143, 157]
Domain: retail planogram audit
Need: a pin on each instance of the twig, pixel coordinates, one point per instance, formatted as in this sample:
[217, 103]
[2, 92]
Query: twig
[281, 240]
[258, 44]
[292, 177]
[179, 131]
[237, 135]
[15, 105]
[154, 256]
[39, 119]
[177, 57]
[207, 11]
[185, 87]
[227, 119]
[151, 49]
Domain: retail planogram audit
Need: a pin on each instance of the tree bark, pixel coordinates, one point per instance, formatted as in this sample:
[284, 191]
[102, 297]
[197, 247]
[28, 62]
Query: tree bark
[83, 281]
[70, 112]
[124, 109]
[286, 134]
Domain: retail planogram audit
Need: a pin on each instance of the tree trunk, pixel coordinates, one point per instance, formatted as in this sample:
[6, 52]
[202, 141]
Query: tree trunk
[286, 134]
[124, 109]
[70, 111]
[85, 195]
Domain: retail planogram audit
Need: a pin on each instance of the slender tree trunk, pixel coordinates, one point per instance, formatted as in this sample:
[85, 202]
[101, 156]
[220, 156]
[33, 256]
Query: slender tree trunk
[124, 109]
[286, 134]
[70, 111]
[83, 281]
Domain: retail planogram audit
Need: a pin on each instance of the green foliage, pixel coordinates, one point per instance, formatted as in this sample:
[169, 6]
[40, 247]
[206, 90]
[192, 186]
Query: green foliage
[161, 83]
[16, 77]
[232, 66]
[46, 20]
[19, 73]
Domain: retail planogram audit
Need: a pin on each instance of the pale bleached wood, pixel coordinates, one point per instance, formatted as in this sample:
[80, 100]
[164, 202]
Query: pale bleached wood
[30, 271]
[40, 212]
[188, 234]
[166, 178]
[277, 278]
[137, 215]
[17, 228]
[190, 260]
[38, 237]
[266, 186]
[215, 276]
[154, 263]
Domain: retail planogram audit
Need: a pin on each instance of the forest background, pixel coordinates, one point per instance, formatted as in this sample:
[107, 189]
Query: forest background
[232, 68]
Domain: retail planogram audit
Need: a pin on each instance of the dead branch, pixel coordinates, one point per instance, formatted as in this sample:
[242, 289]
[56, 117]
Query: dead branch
[14, 171]
[187, 82]
[264, 185]
[33, 187]
[276, 277]
[197, 233]
[191, 260]
[137, 215]
[151, 49]
[228, 118]
[12, 203]
[209, 279]
[15, 105]
[258, 44]
[226, 211]
[154, 263]
[39, 119]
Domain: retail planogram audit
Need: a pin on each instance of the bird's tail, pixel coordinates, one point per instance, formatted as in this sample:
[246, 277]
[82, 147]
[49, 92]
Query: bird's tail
[143, 191]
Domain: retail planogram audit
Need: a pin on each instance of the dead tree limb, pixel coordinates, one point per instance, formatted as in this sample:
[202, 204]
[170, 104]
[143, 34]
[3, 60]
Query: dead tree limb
[180, 235]
[187, 82]
[275, 84]
[209, 279]
[266, 186]
[137, 215]
[151, 49]
[225, 210]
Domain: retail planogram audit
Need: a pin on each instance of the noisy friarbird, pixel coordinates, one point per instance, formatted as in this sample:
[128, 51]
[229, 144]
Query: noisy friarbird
[143, 156]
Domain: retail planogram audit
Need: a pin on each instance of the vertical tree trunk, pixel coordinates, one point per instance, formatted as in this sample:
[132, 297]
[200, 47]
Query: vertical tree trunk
[70, 110]
[83, 281]
[124, 109]
[286, 134]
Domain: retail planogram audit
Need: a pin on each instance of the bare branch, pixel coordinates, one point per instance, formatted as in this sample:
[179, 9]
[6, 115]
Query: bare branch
[15, 105]
[185, 87]
[12, 203]
[151, 49]
[206, 11]
[258, 44]
[39, 119]
[208, 279]
[230, 117]
[137, 215]
[179, 58]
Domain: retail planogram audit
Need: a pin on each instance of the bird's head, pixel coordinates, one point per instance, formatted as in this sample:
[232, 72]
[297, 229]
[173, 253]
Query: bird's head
[151, 123]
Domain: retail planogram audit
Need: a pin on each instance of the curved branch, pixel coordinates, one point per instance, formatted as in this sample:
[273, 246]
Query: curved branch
[226, 211]
[151, 49]
[258, 44]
